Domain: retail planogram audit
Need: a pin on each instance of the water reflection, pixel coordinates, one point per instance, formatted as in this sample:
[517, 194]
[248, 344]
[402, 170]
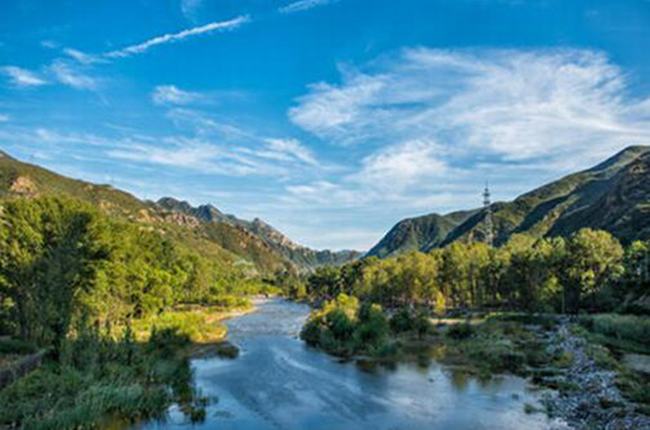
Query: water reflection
[279, 383]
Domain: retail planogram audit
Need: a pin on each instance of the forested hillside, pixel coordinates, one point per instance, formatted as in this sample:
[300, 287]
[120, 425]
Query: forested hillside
[612, 196]
[253, 245]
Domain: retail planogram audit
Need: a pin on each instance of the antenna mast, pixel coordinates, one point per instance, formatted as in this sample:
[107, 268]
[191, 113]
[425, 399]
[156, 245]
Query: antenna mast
[487, 205]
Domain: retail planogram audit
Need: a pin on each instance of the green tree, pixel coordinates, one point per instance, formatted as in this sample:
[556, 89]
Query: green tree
[594, 260]
[50, 249]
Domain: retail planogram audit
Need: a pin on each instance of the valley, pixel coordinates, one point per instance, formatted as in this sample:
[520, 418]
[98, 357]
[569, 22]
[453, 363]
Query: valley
[148, 285]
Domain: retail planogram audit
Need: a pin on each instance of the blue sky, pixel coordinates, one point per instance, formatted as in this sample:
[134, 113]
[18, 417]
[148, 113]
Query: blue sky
[332, 119]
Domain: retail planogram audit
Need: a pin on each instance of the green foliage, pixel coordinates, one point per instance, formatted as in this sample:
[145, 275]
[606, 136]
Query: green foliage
[16, 346]
[595, 260]
[99, 377]
[61, 260]
[343, 327]
[585, 271]
[67, 270]
[622, 327]
[460, 331]
[402, 321]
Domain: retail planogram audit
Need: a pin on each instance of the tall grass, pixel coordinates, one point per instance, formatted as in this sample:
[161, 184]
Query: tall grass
[98, 377]
[629, 328]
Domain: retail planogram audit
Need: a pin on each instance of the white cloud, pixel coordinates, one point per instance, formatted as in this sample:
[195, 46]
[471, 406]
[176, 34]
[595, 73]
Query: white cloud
[22, 77]
[289, 148]
[195, 155]
[397, 167]
[4, 118]
[190, 8]
[170, 94]
[514, 105]
[303, 5]
[432, 125]
[82, 57]
[70, 76]
[173, 37]
[49, 44]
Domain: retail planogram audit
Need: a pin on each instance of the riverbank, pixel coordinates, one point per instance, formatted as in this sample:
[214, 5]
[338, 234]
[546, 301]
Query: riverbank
[280, 383]
[588, 384]
[126, 377]
[589, 389]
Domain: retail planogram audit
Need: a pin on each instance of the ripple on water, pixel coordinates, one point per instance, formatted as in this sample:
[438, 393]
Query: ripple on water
[279, 383]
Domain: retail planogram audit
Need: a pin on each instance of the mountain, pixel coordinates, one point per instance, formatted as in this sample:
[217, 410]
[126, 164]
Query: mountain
[301, 256]
[612, 196]
[419, 233]
[221, 236]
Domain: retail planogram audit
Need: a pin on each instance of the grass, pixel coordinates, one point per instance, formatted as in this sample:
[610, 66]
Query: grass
[492, 347]
[201, 324]
[610, 337]
[625, 333]
[100, 379]
[12, 350]
[96, 378]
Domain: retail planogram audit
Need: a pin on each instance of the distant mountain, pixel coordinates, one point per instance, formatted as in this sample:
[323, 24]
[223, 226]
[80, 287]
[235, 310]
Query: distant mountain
[221, 236]
[419, 233]
[301, 256]
[613, 196]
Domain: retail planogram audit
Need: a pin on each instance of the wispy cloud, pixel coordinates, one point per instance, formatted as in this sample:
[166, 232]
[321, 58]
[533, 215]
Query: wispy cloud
[22, 77]
[83, 57]
[70, 76]
[49, 44]
[199, 156]
[189, 8]
[515, 105]
[170, 94]
[396, 167]
[291, 148]
[435, 123]
[174, 37]
[303, 5]
[4, 118]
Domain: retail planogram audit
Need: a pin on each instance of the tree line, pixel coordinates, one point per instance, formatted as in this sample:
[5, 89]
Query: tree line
[62, 260]
[589, 271]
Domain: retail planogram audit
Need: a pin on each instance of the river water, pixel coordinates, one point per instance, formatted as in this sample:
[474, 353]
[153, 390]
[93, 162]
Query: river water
[278, 382]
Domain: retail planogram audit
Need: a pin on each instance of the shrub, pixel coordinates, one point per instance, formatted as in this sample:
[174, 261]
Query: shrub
[402, 321]
[372, 330]
[624, 327]
[310, 332]
[15, 346]
[423, 324]
[460, 331]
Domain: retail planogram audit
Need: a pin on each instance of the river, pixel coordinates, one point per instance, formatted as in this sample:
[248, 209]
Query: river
[278, 382]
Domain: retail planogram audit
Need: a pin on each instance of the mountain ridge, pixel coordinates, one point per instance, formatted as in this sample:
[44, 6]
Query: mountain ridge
[229, 238]
[298, 254]
[613, 195]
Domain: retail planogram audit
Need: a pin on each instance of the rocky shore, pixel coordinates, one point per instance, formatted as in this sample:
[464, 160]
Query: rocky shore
[590, 398]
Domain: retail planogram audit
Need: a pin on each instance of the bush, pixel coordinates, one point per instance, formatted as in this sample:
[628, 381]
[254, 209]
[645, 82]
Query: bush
[344, 328]
[423, 324]
[310, 332]
[624, 327]
[372, 330]
[339, 324]
[15, 346]
[402, 321]
[167, 341]
[460, 331]
[105, 381]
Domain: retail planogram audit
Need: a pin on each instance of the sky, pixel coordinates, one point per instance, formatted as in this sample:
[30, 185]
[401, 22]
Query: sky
[329, 119]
